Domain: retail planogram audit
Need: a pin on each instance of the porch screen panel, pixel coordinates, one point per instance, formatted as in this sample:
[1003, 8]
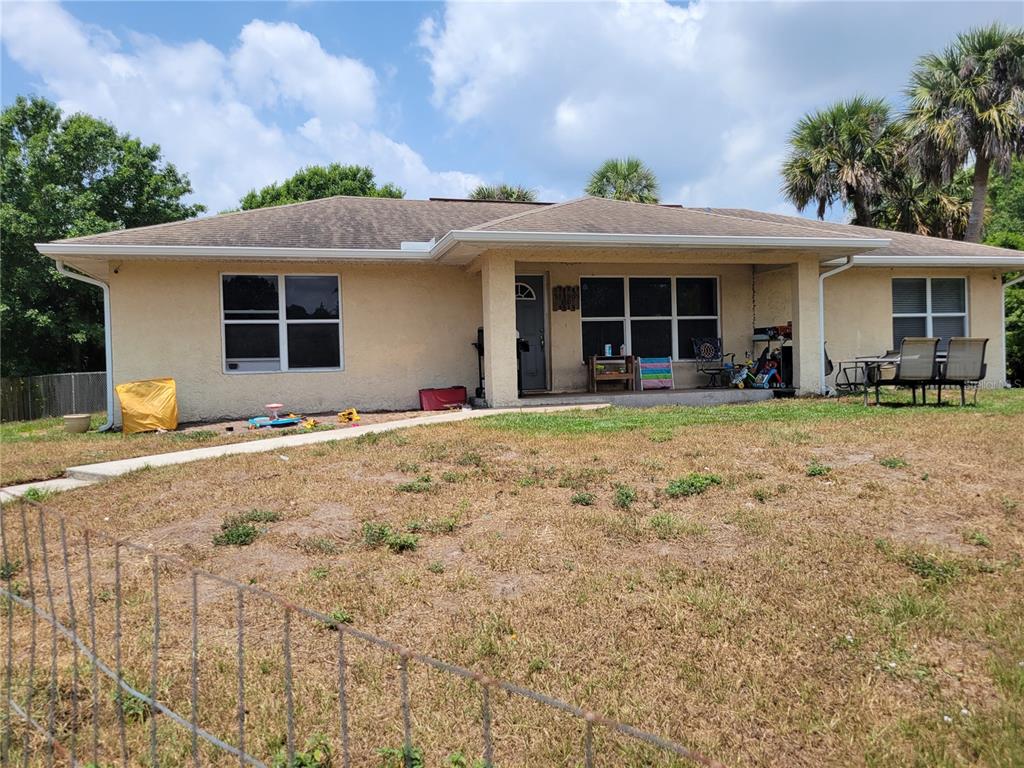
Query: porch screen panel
[602, 297]
[697, 312]
[695, 329]
[650, 297]
[597, 333]
[651, 338]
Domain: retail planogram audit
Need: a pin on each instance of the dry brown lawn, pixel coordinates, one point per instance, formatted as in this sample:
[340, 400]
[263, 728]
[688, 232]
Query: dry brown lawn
[41, 449]
[849, 594]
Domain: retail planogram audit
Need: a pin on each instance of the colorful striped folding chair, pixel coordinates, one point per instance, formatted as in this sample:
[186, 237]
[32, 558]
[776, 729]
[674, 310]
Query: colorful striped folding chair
[655, 372]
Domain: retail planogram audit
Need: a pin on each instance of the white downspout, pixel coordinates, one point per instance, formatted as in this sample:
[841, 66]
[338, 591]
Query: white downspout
[107, 345]
[821, 318]
[1002, 315]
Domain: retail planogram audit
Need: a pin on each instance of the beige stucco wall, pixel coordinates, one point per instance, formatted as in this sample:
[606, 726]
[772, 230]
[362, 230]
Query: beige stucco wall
[565, 347]
[858, 309]
[404, 327]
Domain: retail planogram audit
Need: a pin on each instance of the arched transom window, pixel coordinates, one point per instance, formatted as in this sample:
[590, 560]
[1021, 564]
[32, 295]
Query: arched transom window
[525, 292]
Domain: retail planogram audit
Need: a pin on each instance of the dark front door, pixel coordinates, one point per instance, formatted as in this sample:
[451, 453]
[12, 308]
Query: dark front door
[530, 317]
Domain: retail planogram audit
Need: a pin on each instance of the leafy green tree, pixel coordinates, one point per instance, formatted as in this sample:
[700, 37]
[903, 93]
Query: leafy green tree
[63, 177]
[843, 154]
[506, 192]
[1006, 204]
[318, 181]
[1005, 228]
[968, 102]
[624, 179]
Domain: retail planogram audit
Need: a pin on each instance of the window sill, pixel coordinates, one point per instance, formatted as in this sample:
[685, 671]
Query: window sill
[276, 373]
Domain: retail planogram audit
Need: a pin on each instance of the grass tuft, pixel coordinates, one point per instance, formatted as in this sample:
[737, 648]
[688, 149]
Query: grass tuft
[377, 535]
[583, 499]
[667, 526]
[240, 531]
[625, 496]
[422, 484]
[893, 462]
[692, 484]
[817, 469]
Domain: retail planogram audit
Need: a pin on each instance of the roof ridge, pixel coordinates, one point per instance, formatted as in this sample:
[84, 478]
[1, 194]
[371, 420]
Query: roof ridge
[521, 214]
[809, 226]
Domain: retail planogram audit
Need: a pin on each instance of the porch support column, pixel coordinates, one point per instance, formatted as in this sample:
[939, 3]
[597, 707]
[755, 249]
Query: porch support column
[498, 279]
[807, 352]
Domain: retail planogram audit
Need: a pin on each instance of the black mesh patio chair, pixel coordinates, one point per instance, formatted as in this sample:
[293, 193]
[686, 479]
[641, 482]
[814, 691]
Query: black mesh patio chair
[707, 351]
[916, 366]
[964, 366]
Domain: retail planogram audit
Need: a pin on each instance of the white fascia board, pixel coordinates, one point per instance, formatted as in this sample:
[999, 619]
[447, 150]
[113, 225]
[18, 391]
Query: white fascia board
[880, 260]
[627, 239]
[226, 253]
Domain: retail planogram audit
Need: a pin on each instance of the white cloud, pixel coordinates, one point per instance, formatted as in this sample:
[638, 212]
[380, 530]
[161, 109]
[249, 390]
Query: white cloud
[706, 94]
[284, 62]
[212, 111]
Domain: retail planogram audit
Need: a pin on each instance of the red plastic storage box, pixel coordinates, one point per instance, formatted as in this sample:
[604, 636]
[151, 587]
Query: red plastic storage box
[442, 398]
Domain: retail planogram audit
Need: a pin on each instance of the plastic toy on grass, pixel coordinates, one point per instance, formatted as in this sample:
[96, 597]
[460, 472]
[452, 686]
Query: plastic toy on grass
[282, 421]
[348, 417]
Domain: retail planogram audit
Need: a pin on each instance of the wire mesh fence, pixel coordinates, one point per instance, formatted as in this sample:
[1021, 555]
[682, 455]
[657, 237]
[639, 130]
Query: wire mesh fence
[116, 654]
[55, 394]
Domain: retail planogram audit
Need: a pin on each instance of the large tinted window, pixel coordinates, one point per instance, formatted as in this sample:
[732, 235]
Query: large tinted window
[602, 297]
[252, 341]
[313, 345]
[250, 297]
[311, 298]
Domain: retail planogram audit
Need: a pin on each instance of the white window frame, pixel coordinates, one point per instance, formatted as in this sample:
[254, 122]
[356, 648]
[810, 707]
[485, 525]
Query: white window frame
[282, 322]
[674, 318]
[928, 315]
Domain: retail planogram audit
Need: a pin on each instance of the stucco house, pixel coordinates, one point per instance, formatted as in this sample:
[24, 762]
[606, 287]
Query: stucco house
[362, 302]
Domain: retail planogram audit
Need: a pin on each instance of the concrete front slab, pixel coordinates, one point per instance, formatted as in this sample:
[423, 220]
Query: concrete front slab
[12, 492]
[651, 398]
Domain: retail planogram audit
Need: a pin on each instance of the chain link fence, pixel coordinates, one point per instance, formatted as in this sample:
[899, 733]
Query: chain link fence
[116, 654]
[57, 394]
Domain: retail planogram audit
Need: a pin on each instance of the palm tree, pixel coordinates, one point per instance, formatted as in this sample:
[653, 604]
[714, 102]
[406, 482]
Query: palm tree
[506, 192]
[966, 102]
[624, 179]
[911, 204]
[841, 153]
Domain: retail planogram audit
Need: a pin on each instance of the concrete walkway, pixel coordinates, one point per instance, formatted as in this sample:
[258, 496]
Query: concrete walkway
[87, 474]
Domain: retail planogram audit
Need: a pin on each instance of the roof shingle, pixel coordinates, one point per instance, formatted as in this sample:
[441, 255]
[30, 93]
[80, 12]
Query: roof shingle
[384, 223]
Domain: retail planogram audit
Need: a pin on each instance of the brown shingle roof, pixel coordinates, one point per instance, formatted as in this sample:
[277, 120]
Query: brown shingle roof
[902, 243]
[331, 222]
[599, 215]
[384, 223]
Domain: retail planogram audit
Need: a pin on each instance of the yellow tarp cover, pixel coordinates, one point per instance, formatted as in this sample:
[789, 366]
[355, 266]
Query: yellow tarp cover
[147, 406]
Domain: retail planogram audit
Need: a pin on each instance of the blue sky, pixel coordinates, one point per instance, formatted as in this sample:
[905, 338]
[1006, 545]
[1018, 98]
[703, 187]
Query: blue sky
[438, 97]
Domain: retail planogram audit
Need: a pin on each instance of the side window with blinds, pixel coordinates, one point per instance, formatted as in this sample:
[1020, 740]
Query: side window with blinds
[929, 306]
